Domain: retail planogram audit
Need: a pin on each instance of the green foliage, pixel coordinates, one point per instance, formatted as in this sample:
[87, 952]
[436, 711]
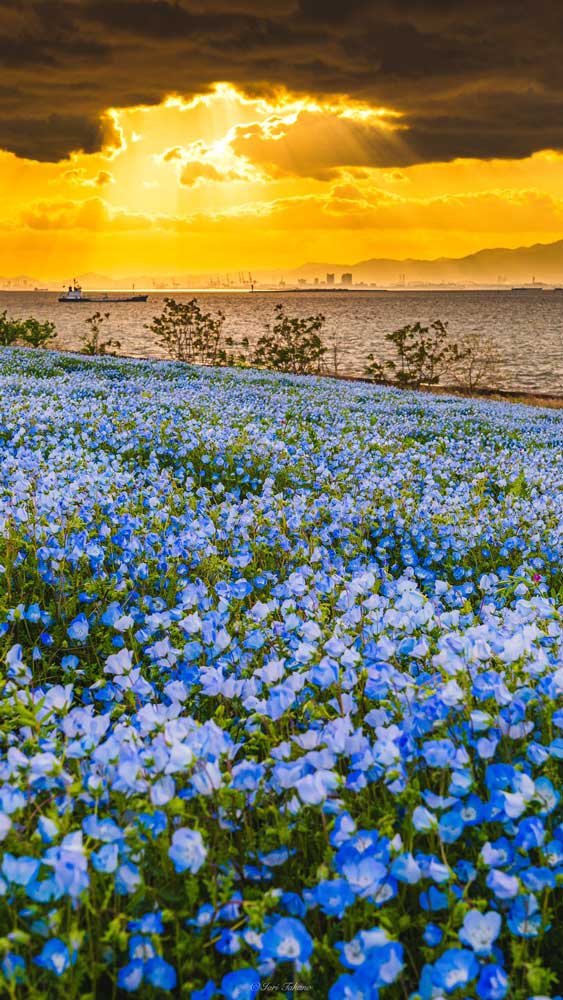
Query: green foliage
[189, 334]
[422, 355]
[27, 331]
[37, 334]
[291, 344]
[10, 330]
[92, 342]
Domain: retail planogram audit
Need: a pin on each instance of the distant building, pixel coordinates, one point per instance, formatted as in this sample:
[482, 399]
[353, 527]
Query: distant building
[346, 279]
[330, 279]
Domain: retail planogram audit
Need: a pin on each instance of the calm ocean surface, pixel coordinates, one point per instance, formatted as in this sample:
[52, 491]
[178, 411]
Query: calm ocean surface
[528, 326]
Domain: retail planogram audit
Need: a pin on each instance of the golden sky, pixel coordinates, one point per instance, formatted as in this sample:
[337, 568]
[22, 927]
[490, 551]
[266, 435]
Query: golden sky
[225, 182]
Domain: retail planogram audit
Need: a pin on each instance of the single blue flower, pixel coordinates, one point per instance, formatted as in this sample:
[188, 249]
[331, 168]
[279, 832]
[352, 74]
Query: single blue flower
[228, 943]
[208, 991]
[334, 896]
[187, 850]
[493, 983]
[13, 967]
[150, 923]
[160, 973]
[130, 976]
[79, 628]
[244, 984]
[20, 871]
[524, 918]
[55, 957]
[288, 940]
[480, 930]
[353, 987]
[432, 935]
[531, 833]
[456, 968]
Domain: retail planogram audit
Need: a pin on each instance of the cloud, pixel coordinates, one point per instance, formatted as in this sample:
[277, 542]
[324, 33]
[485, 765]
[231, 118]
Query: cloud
[317, 143]
[91, 214]
[200, 163]
[197, 172]
[174, 154]
[347, 207]
[350, 208]
[78, 175]
[477, 79]
[54, 136]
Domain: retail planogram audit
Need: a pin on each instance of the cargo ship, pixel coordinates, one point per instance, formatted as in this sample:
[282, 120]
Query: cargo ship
[74, 294]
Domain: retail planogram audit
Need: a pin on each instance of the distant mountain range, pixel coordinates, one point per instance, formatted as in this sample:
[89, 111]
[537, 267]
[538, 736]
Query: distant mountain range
[542, 262]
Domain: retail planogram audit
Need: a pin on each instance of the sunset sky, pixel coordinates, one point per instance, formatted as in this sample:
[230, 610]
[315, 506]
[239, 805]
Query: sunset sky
[142, 136]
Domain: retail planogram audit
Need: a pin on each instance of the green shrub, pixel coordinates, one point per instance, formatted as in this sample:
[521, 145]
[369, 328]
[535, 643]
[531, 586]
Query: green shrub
[10, 330]
[422, 355]
[189, 334]
[37, 334]
[291, 344]
[92, 342]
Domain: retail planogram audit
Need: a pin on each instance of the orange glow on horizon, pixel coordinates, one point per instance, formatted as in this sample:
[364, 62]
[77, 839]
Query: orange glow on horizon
[226, 181]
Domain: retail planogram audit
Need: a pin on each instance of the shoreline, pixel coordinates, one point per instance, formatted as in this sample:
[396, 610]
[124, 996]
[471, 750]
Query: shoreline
[538, 399]
[521, 397]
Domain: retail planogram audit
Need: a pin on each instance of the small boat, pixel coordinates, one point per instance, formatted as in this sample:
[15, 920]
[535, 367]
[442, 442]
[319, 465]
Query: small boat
[74, 294]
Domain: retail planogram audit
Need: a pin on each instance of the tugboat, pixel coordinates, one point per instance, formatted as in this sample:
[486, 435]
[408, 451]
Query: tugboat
[74, 294]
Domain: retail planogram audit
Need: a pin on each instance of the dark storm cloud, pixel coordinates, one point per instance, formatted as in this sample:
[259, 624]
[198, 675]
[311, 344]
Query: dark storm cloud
[479, 79]
[49, 138]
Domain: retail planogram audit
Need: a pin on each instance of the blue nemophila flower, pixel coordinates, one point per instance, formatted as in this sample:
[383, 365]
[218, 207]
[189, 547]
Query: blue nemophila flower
[5, 826]
[130, 976]
[55, 957]
[451, 826]
[455, 969]
[344, 827]
[294, 630]
[524, 917]
[150, 923]
[69, 864]
[424, 820]
[480, 930]
[187, 851]
[228, 943]
[334, 896]
[432, 935]
[13, 967]
[371, 952]
[439, 753]
[243, 984]
[405, 868]
[493, 983]
[141, 948]
[287, 941]
[19, 871]
[503, 885]
[247, 775]
[79, 628]
[365, 875]
[531, 833]
[208, 991]
[160, 973]
[106, 859]
[354, 953]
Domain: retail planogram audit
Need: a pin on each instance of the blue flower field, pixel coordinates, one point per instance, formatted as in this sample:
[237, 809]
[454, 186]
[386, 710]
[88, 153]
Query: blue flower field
[282, 687]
